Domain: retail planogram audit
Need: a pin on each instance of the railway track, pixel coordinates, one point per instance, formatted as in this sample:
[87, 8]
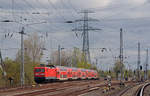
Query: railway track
[141, 91]
[69, 90]
[36, 86]
[72, 88]
[135, 90]
[60, 90]
[92, 89]
[58, 86]
[122, 90]
[84, 90]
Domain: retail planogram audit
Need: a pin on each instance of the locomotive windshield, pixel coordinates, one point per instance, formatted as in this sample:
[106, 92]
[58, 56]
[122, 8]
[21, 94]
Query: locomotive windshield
[39, 70]
[50, 66]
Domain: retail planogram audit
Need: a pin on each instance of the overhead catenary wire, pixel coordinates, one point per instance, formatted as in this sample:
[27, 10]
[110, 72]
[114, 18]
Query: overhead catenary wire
[29, 4]
[67, 8]
[71, 5]
[31, 7]
[51, 3]
[34, 8]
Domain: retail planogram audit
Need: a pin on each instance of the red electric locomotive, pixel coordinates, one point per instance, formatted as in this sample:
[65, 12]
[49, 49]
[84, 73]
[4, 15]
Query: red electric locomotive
[52, 73]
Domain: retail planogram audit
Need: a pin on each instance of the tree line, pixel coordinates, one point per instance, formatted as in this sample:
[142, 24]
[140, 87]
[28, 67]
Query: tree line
[33, 52]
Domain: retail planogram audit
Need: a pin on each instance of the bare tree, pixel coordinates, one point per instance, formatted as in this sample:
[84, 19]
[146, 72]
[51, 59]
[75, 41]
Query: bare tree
[33, 47]
[70, 58]
[118, 67]
[65, 58]
[32, 55]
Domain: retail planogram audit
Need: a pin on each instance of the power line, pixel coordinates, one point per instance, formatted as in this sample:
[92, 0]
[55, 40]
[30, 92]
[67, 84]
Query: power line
[67, 8]
[71, 5]
[85, 34]
[49, 1]
[27, 3]
[31, 6]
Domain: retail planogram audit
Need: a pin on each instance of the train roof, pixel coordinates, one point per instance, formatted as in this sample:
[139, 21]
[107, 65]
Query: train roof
[63, 67]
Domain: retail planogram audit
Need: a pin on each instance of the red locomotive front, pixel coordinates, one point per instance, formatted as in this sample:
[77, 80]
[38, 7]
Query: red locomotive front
[45, 74]
[39, 74]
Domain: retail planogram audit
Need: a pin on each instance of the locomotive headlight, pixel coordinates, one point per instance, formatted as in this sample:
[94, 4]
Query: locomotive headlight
[42, 74]
[37, 74]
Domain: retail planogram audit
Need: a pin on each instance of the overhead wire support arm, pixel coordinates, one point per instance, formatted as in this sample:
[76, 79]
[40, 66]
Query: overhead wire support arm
[90, 29]
[90, 19]
[86, 11]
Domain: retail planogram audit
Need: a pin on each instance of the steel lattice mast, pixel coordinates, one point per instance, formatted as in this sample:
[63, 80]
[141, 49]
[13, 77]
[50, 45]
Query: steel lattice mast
[85, 34]
[146, 65]
[121, 57]
[139, 60]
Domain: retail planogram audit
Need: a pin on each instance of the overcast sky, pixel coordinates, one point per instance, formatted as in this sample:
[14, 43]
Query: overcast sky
[131, 15]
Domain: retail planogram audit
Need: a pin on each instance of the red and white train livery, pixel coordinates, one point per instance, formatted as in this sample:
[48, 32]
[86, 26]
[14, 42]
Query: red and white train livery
[52, 73]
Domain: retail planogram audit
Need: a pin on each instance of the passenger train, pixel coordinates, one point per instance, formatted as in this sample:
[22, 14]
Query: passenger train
[59, 73]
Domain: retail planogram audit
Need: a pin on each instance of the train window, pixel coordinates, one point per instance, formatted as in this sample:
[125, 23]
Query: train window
[65, 76]
[83, 70]
[39, 70]
[58, 72]
[61, 76]
[79, 73]
[42, 70]
[50, 66]
[63, 69]
[74, 70]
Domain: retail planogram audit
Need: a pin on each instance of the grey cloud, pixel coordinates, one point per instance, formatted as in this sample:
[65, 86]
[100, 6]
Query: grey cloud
[131, 15]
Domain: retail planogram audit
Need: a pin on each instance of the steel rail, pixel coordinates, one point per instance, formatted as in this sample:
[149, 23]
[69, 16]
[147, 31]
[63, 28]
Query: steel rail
[142, 89]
